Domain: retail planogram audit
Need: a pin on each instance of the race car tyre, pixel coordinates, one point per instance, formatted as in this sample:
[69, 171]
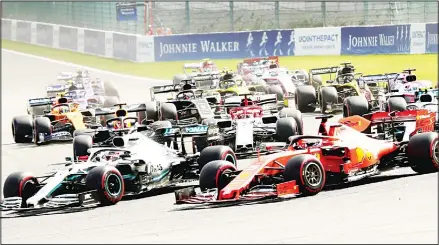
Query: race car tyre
[42, 125]
[285, 127]
[328, 95]
[150, 113]
[108, 184]
[168, 111]
[396, 104]
[277, 90]
[216, 152]
[306, 98]
[423, 152]
[110, 89]
[296, 114]
[177, 78]
[355, 105]
[20, 184]
[308, 172]
[214, 175]
[81, 144]
[22, 129]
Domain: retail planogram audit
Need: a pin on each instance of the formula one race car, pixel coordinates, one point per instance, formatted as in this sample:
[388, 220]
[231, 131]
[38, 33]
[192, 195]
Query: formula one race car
[206, 67]
[330, 96]
[137, 165]
[57, 124]
[249, 125]
[188, 106]
[280, 84]
[186, 92]
[260, 63]
[388, 99]
[406, 84]
[104, 130]
[309, 162]
[65, 82]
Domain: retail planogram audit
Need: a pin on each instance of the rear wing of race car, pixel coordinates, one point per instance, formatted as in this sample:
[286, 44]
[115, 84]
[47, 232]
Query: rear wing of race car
[269, 58]
[56, 88]
[379, 80]
[113, 110]
[164, 89]
[185, 131]
[323, 70]
[40, 101]
[260, 100]
[191, 66]
[379, 77]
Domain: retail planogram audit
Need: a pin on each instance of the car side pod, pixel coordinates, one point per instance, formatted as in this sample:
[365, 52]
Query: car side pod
[190, 195]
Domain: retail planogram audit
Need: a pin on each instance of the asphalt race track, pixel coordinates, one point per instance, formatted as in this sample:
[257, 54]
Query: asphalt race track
[399, 207]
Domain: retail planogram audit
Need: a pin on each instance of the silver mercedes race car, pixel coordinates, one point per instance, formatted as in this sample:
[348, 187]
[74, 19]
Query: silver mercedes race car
[135, 164]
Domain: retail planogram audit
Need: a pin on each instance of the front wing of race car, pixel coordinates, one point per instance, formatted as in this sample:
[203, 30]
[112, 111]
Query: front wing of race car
[53, 137]
[192, 195]
[60, 202]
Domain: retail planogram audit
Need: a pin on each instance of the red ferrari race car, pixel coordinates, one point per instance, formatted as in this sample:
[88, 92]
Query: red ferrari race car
[338, 154]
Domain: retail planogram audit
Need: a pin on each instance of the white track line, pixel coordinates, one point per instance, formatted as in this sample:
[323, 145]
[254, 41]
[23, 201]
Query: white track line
[81, 66]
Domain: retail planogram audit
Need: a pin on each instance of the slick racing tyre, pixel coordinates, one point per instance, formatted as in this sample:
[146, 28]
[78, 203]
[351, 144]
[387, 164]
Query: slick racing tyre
[111, 90]
[81, 144]
[306, 98]
[296, 114]
[308, 173]
[216, 152]
[22, 129]
[42, 125]
[285, 127]
[355, 105]
[328, 95]
[20, 184]
[107, 183]
[214, 175]
[149, 114]
[423, 152]
[168, 111]
[396, 104]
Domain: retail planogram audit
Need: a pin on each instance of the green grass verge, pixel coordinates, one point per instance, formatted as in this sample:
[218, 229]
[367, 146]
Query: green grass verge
[426, 64]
